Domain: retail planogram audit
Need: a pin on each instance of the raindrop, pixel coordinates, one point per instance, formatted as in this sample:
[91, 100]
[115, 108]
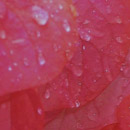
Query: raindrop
[119, 40]
[38, 34]
[118, 20]
[18, 41]
[92, 116]
[47, 94]
[56, 47]
[26, 62]
[15, 64]
[87, 37]
[41, 59]
[84, 47]
[39, 111]
[66, 82]
[77, 103]
[69, 54]
[108, 9]
[60, 7]
[40, 15]
[121, 69]
[77, 71]
[94, 80]
[86, 22]
[11, 52]
[2, 34]
[10, 68]
[66, 26]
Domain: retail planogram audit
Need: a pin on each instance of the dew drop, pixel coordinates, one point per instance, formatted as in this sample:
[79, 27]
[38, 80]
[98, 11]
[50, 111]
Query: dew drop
[41, 59]
[118, 20]
[86, 22]
[66, 26]
[69, 54]
[47, 94]
[87, 37]
[15, 64]
[60, 7]
[77, 103]
[39, 111]
[40, 15]
[10, 68]
[11, 52]
[121, 69]
[2, 34]
[119, 40]
[84, 47]
[18, 41]
[38, 34]
[108, 9]
[66, 82]
[92, 116]
[26, 62]
[77, 71]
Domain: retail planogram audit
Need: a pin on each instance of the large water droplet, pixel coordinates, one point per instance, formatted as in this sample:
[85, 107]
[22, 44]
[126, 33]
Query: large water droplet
[40, 15]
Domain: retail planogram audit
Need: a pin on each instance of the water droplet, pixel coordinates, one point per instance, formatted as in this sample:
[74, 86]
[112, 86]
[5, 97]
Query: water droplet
[94, 80]
[39, 111]
[15, 64]
[119, 40]
[121, 69]
[47, 94]
[84, 47]
[77, 103]
[69, 54]
[108, 9]
[10, 68]
[56, 47]
[87, 37]
[77, 71]
[118, 20]
[40, 15]
[60, 7]
[86, 22]
[18, 41]
[92, 116]
[38, 34]
[26, 62]
[127, 72]
[41, 59]
[66, 26]
[2, 34]
[66, 82]
[11, 52]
